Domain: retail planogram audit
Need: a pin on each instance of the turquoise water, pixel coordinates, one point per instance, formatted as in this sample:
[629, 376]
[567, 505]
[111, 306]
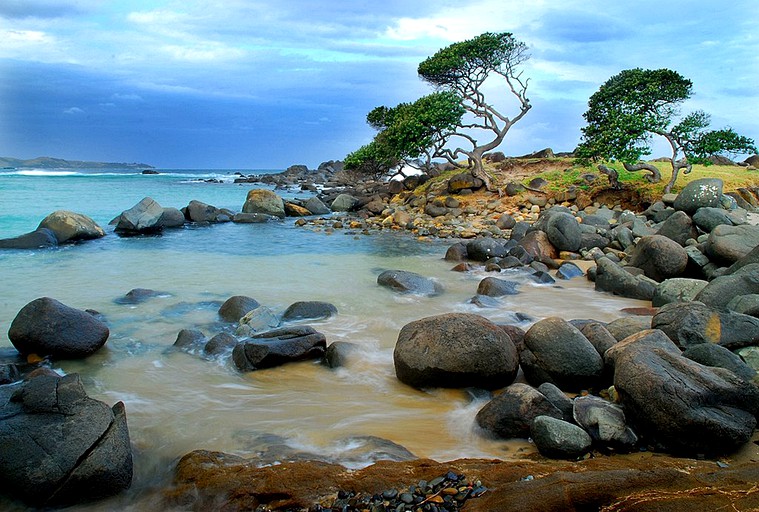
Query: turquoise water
[177, 402]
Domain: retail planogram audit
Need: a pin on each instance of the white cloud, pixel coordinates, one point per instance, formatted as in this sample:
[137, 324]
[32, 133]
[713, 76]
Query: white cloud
[208, 52]
[73, 111]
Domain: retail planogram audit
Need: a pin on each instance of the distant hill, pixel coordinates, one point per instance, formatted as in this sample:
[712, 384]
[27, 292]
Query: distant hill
[46, 162]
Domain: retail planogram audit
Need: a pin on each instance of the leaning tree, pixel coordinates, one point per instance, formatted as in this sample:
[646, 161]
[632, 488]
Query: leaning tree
[630, 108]
[458, 72]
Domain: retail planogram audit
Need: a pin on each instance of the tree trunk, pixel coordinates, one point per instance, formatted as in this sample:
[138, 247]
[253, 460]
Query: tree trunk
[676, 166]
[654, 177]
[612, 175]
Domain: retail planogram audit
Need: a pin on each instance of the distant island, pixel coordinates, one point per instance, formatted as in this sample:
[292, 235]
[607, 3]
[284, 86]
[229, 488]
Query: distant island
[45, 162]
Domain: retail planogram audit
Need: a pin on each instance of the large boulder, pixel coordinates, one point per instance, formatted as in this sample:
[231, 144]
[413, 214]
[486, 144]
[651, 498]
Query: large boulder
[71, 227]
[677, 289]
[728, 244]
[316, 206]
[709, 218]
[264, 201]
[555, 351]
[308, 310]
[610, 277]
[678, 228]
[279, 346]
[723, 289]
[495, 287]
[705, 192]
[463, 181]
[47, 327]
[344, 203]
[144, 217]
[482, 249]
[678, 404]
[202, 213]
[558, 439]
[605, 422]
[510, 414]
[692, 323]
[455, 350]
[39, 239]
[60, 447]
[659, 257]
[236, 307]
[709, 354]
[537, 245]
[171, 218]
[564, 232]
[403, 281]
[257, 320]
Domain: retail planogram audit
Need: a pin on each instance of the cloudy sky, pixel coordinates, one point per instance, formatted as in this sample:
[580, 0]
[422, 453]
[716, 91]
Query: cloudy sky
[266, 84]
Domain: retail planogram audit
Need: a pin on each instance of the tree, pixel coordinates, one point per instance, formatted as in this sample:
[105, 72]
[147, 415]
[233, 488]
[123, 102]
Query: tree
[630, 108]
[458, 71]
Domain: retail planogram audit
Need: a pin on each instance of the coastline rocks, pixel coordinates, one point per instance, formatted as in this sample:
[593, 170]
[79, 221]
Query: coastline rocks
[510, 414]
[403, 281]
[455, 350]
[709, 218]
[692, 323]
[605, 422]
[557, 352]
[677, 289]
[71, 227]
[138, 296]
[678, 404]
[316, 206]
[705, 192]
[610, 277]
[256, 320]
[171, 218]
[659, 257]
[40, 239]
[495, 287]
[58, 446]
[47, 327]
[482, 249]
[709, 354]
[144, 217]
[279, 346]
[344, 203]
[678, 228]
[236, 307]
[723, 289]
[264, 201]
[202, 213]
[728, 244]
[558, 439]
[564, 232]
[308, 310]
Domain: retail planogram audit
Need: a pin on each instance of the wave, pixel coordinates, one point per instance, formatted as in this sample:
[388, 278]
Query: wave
[186, 174]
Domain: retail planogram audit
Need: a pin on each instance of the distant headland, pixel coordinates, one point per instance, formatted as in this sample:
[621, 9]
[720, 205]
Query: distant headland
[45, 162]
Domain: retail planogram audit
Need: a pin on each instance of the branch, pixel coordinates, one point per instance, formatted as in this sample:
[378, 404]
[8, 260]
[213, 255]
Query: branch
[654, 177]
[612, 175]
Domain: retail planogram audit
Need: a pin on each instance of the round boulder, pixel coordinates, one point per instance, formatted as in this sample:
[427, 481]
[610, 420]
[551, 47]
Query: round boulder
[659, 257]
[234, 308]
[509, 415]
[494, 287]
[71, 227]
[344, 203]
[143, 217]
[728, 244]
[309, 309]
[705, 192]
[47, 327]
[557, 439]
[564, 232]
[264, 201]
[403, 281]
[482, 249]
[455, 350]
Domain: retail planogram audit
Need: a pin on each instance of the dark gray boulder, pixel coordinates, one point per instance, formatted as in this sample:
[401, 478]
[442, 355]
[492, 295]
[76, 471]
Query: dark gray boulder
[236, 307]
[710, 354]
[58, 446]
[723, 289]
[728, 244]
[709, 218]
[509, 415]
[678, 404]
[568, 270]
[605, 422]
[748, 259]
[564, 232]
[505, 221]
[308, 310]
[610, 277]
[659, 257]
[495, 287]
[344, 203]
[746, 304]
[598, 336]
[455, 350]
[677, 289]
[626, 326]
[47, 327]
[138, 296]
[555, 351]
[693, 323]
[190, 340]
[456, 252]
[519, 230]
[253, 218]
[220, 344]
[557, 439]
[403, 281]
[678, 228]
[482, 249]
[316, 206]
[171, 218]
[202, 213]
[279, 346]
[39, 239]
[339, 353]
[557, 397]
[705, 192]
[144, 217]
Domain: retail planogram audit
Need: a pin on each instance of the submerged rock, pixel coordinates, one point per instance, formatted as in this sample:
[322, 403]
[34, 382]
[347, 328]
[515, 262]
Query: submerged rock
[409, 282]
[279, 346]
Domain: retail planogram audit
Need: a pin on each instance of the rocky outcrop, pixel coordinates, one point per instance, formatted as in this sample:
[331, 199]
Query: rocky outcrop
[279, 346]
[60, 447]
[723, 289]
[47, 327]
[264, 201]
[71, 227]
[455, 350]
[728, 244]
[202, 213]
[144, 217]
[610, 277]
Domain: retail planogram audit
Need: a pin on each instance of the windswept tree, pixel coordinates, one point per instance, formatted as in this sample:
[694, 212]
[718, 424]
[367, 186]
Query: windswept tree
[632, 107]
[410, 133]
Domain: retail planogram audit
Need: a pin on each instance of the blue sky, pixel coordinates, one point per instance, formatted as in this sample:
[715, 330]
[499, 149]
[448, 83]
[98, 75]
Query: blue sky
[253, 84]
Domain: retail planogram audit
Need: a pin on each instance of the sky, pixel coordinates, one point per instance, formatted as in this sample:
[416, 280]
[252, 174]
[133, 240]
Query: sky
[246, 84]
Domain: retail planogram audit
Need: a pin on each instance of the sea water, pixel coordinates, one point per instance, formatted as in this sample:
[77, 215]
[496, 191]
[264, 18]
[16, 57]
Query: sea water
[178, 402]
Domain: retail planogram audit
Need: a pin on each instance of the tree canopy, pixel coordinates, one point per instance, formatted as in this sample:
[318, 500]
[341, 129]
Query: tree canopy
[632, 107]
[458, 73]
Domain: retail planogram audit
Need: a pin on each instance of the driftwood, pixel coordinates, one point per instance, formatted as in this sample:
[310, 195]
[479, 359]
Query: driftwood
[613, 176]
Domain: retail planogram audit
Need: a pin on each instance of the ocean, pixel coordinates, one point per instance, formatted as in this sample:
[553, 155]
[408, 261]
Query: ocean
[178, 402]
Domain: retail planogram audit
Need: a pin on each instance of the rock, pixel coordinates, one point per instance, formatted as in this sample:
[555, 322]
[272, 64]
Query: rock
[310, 310]
[564, 232]
[463, 181]
[456, 252]
[519, 231]
[264, 201]
[542, 277]
[605, 422]
[751, 257]
[598, 336]
[709, 218]
[220, 344]
[557, 397]
[190, 340]
[705, 192]
[659, 257]
[557, 439]
[455, 350]
[728, 244]
[253, 218]
[623, 327]
[494, 287]
[144, 217]
[71, 227]
[709, 354]
[138, 296]
[557, 352]
[295, 210]
[610, 277]
[171, 218]
[482, 249]
[39, 239]
[236, 307]
[257, 320]
[509, 415]
[59, 447]
[47, 327]
[568, 270]
[745, 304]
[316, 206]
[537, 245]
[338, 353]
[721, 290]
[677, 289]
[344, 203]
[409, 282]
[505, 221]
[678, 404]
[202, 213]
[679, 228]
[692, 323]
[279, 346]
